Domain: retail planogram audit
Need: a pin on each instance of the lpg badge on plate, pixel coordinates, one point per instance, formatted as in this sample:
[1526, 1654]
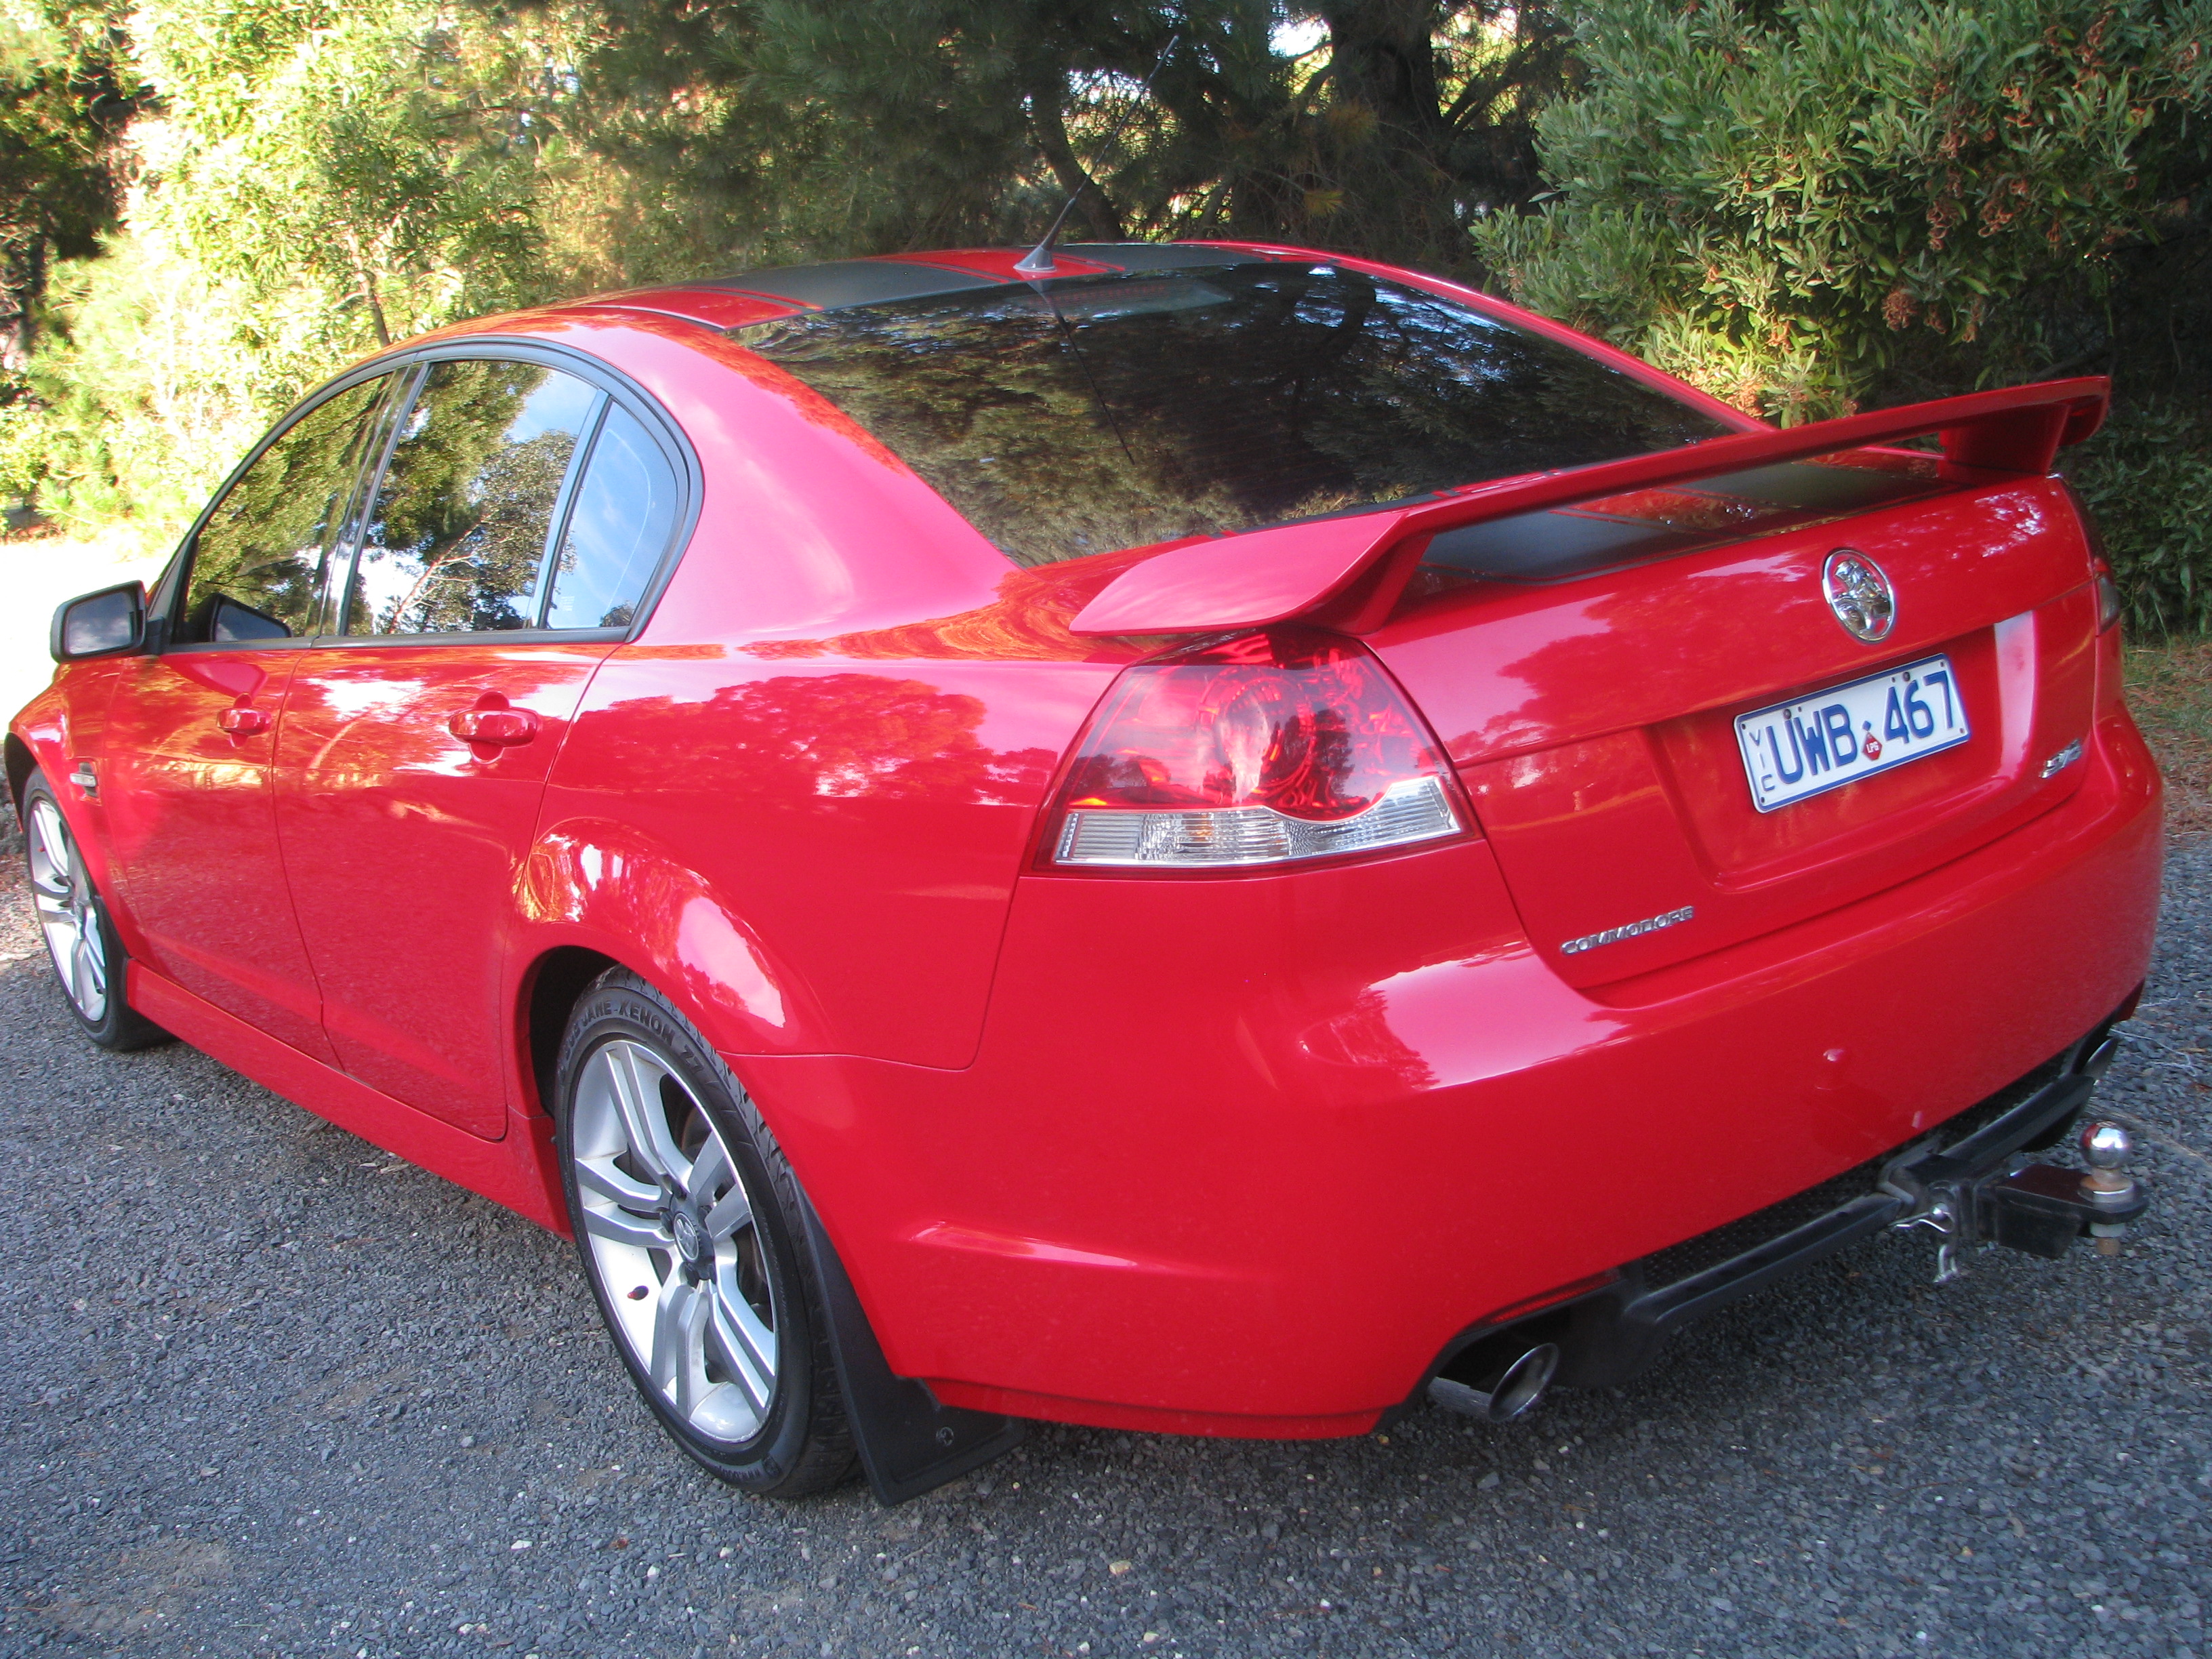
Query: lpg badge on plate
[1796, 750]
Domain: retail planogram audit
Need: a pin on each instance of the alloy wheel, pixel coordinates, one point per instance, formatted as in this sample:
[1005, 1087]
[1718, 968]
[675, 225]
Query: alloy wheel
[673, 1238]
[69, 911]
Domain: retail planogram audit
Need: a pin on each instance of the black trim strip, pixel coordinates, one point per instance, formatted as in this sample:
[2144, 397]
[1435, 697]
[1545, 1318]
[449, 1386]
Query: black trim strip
[556, 525]
[839, 282]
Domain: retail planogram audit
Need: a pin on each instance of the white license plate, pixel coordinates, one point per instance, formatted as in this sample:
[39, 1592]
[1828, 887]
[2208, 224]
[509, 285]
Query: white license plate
[1796, 749]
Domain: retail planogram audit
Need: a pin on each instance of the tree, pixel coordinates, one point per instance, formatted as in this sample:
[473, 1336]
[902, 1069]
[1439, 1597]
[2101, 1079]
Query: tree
[917, 123]
[1784, 202]
[1808, 205]
[64, 97]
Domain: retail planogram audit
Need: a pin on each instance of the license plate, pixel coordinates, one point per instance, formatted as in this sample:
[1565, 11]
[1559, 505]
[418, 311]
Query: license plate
[1797, 749]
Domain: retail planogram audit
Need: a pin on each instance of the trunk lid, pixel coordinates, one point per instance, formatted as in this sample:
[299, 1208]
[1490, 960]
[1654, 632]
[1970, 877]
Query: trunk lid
[1585, 666]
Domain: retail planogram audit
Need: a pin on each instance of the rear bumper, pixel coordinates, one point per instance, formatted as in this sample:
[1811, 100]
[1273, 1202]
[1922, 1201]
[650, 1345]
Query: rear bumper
[1610, 1335]
[1243, 1156]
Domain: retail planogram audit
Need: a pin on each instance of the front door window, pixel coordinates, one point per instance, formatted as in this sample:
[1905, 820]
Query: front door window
[190, 734]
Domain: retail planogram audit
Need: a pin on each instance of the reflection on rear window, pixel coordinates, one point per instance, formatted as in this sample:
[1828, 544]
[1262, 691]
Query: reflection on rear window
[1093, 413]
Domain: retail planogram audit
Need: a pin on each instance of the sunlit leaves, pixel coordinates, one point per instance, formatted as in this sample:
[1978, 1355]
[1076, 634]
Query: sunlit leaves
[1789, 203]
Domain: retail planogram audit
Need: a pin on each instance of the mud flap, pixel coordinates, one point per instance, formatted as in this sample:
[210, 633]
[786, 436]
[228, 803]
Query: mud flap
[909, 1444]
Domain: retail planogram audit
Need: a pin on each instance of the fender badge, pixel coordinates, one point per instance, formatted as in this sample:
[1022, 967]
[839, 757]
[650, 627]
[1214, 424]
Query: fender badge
[1628, 930]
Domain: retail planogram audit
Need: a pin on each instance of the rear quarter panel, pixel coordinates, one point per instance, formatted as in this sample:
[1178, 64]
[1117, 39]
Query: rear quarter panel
[800, 800]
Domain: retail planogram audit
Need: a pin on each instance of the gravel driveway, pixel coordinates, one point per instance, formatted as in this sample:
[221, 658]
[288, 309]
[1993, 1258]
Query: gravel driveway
[264, 1390]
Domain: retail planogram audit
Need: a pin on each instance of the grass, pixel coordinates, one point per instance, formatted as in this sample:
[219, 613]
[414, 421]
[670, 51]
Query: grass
[2169, 689]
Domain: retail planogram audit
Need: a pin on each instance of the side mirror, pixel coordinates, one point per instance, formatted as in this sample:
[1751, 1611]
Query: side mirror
[103, 624]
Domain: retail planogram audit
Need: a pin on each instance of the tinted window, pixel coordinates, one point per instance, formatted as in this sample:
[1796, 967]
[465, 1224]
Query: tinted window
[260, 562]
[625, 512]
[1114, 411]
[455, 537]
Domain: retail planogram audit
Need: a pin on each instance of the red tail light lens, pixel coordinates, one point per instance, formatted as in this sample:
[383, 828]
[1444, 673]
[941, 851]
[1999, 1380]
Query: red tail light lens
[1284, 745]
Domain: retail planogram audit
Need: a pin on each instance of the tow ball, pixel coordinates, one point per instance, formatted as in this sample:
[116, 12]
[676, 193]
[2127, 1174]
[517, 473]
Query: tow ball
[2040, 1208]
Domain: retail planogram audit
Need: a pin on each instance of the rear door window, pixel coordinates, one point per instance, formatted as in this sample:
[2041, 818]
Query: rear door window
[457, 539]
[262, 559]
[624, 512]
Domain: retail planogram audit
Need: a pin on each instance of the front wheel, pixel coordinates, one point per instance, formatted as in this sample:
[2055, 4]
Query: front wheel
[89, 959]
[687, 1219]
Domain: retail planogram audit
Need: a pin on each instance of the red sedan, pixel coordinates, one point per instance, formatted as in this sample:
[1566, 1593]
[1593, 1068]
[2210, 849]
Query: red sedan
[1218, 839]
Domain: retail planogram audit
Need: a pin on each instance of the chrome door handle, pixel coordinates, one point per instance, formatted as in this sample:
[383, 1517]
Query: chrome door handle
[242, 722]
[501, 728]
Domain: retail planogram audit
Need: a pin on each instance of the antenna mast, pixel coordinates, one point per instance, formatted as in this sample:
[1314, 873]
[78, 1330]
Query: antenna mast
[1038, 261]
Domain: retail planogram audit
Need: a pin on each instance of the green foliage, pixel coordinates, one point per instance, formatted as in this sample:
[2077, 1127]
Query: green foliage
[354, 151]
[1794, 205]
[320, 180]
[164, 376]
[1800, 205]
[2148, 479]
[63, 98]
[318, 177]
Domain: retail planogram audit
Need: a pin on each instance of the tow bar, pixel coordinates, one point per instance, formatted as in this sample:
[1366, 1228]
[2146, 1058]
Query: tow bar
[2040, 1208]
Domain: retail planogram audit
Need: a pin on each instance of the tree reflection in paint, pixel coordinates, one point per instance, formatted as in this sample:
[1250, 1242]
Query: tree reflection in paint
[787, 742]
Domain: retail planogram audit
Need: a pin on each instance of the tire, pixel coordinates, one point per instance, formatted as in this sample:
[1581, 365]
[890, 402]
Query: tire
[90, 962]
[687, 1219]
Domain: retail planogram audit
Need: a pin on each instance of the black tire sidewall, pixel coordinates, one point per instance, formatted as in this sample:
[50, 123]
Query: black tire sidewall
[788, 1453]
[120, 1026]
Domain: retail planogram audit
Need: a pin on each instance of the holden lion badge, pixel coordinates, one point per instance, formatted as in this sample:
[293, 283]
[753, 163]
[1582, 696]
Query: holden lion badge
[1859, 594]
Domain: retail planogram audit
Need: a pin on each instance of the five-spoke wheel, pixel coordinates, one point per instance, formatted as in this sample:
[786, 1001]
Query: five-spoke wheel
[89, 960]
[61, 893]
[688, 1223]
[666, 1217]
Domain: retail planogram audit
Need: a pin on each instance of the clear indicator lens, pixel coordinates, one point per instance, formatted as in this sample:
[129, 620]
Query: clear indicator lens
[1417, 810]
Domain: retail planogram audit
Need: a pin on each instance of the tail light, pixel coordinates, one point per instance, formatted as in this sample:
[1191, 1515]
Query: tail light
[2108, 598]
[1270, 747]
[2108, 592]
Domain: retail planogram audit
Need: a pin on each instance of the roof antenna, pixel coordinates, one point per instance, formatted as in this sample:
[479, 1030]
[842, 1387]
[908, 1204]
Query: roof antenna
[1038, 261]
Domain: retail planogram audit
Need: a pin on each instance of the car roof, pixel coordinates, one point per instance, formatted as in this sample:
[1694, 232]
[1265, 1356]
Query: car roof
[755, 296]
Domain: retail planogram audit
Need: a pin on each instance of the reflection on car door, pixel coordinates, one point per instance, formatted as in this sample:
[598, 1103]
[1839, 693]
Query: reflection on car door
[190, 733]
[416, 745]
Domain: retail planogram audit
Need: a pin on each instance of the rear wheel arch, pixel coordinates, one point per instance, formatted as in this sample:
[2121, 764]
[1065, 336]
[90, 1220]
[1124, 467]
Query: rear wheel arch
[608, 887]
[552, 986]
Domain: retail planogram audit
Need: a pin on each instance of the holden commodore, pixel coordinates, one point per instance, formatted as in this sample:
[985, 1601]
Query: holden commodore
[1202, 838]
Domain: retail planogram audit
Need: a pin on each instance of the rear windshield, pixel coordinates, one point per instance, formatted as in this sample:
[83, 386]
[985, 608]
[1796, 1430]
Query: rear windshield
[1093, 413]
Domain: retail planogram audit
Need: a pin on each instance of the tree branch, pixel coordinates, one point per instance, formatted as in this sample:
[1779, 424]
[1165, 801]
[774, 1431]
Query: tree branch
[1050, 128]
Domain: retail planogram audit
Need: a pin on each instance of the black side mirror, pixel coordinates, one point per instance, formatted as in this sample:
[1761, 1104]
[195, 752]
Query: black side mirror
[104, 624]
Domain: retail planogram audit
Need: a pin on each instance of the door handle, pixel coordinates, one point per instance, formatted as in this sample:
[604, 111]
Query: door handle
[243, 722]
[498, 728]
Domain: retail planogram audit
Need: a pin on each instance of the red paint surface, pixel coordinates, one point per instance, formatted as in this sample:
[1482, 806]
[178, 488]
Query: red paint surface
[405, 845]
[1225, 1153]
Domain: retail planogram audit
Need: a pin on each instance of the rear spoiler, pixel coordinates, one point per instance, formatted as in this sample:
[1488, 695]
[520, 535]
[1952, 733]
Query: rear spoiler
[1348, 572]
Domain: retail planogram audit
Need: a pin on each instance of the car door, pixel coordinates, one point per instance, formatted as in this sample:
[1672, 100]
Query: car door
[417, 741]
[184, 771]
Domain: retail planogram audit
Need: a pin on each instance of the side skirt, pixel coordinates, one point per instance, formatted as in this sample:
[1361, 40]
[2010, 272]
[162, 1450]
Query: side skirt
[514, 1170]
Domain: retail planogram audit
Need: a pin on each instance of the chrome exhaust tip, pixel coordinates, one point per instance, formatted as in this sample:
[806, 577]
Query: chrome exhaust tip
[1513, 1392]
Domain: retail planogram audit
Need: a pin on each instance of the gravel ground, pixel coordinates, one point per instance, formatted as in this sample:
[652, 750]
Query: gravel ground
[264, 1390]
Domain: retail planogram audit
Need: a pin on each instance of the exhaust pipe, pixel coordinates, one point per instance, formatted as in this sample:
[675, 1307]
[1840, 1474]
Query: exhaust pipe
[1509, 1394]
